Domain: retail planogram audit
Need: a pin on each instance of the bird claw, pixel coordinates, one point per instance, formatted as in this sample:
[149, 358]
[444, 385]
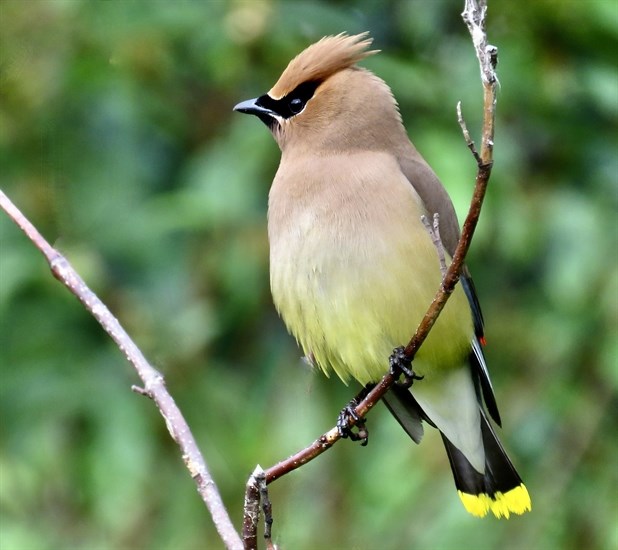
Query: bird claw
[401, 365]
[345, 428]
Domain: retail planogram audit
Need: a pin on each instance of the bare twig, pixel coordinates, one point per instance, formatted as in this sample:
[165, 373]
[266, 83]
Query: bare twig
[154, 384]
[466, 134]
[434, 233]
[267, 508]
[252, 508]
[474, 17]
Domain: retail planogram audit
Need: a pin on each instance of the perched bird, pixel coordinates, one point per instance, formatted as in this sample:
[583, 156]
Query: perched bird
[353, 269]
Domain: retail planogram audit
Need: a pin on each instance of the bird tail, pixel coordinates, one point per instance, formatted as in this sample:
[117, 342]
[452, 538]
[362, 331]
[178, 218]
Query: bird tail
[499, 489]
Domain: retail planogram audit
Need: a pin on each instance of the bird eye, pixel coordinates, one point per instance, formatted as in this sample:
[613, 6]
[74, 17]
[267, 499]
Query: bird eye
[296, 105]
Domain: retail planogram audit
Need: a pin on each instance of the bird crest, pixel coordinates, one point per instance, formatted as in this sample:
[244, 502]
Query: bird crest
[321, 60]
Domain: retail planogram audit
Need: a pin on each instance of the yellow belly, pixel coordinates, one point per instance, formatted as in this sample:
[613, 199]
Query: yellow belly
[353, 278]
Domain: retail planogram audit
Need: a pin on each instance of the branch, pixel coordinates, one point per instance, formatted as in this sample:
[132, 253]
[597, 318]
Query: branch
[474, 17]
[154, 384]
[252, 507]
[474, 14]
[434, 233]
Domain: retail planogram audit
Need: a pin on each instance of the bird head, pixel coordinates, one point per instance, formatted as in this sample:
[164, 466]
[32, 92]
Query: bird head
[322, 100]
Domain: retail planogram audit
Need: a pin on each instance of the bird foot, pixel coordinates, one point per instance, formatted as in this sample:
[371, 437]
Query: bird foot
[346, 429]
[345, 419]
[401, 365]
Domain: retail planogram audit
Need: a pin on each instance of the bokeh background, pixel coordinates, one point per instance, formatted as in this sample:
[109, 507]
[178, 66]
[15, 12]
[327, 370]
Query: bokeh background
[118, 140]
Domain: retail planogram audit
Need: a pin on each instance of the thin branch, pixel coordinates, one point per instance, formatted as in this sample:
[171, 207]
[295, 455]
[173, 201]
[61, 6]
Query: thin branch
[466, 134]
[474, 17]
[252, 508]
[154, 384]
[434, 233]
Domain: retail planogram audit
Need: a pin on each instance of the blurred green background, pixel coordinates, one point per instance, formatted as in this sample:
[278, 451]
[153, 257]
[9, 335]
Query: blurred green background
[118, 140]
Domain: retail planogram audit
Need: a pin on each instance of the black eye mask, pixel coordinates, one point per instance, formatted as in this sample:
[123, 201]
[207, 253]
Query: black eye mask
[292, 103]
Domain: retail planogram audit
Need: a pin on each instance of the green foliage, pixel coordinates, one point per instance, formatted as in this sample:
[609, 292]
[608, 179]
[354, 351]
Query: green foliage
[117, 139]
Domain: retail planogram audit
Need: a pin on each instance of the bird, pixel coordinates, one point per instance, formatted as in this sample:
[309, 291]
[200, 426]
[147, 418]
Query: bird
[353, 268]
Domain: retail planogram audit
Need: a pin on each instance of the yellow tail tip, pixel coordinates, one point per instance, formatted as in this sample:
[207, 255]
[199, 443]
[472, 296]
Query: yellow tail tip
[516, 501]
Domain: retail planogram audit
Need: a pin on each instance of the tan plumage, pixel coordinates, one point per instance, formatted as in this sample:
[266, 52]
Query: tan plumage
[321, 60]
[353, 269]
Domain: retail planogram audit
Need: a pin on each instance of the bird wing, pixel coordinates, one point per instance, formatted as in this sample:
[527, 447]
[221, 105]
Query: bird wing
[436, 200]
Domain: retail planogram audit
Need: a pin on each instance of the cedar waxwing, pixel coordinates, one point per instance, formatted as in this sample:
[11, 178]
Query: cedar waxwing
[353, 269]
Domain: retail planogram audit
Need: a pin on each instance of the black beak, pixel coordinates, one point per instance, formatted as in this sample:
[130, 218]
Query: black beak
[253, 107]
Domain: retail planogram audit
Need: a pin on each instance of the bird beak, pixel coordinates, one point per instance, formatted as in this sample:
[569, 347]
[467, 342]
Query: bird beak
[251, 107]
